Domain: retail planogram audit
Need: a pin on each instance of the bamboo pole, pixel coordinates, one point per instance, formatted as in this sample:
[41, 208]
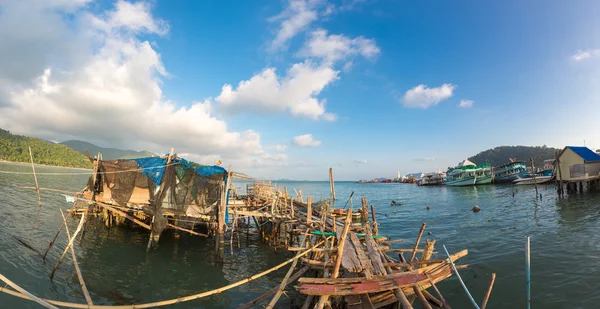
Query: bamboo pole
[24, 292]
[460, 279]
[528, 272]
[332, 184]
[57, 232]
[86, 294]
[489, 292]
[444, 302]
[186, 230]
[68, 246]
[282, 285]
[308, 210]
[170, 301]
[414, 252]
[37, 187]
[340, 253]
[421, 298]
[274, 290]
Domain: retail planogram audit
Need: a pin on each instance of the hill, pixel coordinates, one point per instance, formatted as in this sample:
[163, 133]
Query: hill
[107, 153]
[14, 148]
[500, 155]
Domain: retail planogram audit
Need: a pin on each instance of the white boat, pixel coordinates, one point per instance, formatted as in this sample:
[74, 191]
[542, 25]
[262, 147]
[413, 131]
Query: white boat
[432, 179]
[532, 181]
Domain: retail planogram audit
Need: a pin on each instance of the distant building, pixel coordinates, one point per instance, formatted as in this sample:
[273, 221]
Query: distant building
[576, 163]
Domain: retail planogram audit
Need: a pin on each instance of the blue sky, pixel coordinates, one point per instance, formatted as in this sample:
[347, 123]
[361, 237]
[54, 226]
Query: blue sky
[287, 89]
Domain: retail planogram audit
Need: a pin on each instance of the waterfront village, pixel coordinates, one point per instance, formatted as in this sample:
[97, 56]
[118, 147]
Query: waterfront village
[574, 166]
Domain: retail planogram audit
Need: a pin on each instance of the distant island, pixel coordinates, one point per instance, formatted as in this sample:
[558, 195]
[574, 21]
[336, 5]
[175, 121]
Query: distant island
[502, 154]
[15, 148]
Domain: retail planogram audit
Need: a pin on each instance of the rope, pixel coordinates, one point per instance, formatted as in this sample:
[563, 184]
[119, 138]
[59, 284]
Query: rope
[164, 302]
[87, 173]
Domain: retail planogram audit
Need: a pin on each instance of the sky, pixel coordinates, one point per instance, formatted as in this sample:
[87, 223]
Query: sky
[287, 89]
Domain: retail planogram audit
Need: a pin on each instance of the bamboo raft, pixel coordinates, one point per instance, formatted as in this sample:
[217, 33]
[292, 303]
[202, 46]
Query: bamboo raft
[340, 261]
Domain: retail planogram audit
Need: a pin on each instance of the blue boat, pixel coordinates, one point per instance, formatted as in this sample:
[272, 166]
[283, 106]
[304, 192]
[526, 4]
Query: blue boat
[509, 172]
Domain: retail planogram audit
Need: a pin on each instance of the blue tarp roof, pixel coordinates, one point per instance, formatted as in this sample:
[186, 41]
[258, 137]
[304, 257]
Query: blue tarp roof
[154, 167]
[585, 153]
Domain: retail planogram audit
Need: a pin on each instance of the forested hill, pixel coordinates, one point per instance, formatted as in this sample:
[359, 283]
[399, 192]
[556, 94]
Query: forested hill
[107, 153]
[500, 155]
[15, 148]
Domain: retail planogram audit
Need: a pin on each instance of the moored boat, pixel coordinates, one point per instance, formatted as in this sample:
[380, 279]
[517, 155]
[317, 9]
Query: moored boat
[432, 179]
[509, 172]
[542, 177]
[468, 173]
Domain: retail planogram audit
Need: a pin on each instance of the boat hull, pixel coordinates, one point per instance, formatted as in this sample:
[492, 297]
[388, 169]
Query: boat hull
[470, 181]
[530, 180]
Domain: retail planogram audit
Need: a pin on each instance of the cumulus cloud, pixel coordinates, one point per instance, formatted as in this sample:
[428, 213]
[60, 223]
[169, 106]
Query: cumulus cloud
[296, 92]
[106, 88]
[335, 47]
[298, 15]
[422, 96]
[306, 140]
[581, 55]
[466, 103]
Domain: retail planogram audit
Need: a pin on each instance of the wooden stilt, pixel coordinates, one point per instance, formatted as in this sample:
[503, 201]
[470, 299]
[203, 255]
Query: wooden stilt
[309, 210]
[332, 184]
[86, 294]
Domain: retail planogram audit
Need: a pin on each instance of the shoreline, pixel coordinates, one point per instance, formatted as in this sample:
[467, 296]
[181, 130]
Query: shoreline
[43, 165]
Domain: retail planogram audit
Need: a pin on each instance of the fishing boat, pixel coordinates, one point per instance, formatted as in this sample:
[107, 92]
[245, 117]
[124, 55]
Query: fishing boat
[542, 177]
[468, 173]
[509, 172]
[432, 179]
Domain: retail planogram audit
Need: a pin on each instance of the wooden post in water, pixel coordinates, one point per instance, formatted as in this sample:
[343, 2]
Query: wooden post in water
[68, 246]
[534, 181]
[375, 224]
[528, 273]
[332, 184]
[86, 294]
[489, 292]
[37, 187]
[365, 213]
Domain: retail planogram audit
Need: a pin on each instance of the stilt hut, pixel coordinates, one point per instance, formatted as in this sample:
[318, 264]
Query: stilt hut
[158, 192]
[577, 165]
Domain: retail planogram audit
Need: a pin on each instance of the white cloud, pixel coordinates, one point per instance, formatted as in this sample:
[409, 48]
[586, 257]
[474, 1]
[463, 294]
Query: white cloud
[423, 97]
[106, 88]
[425, 159]
[297, 92]
[278, 147]
[335, 47]
[466, 103]
[295, 18]
[360, 161]
[306, 140]
[585, 54]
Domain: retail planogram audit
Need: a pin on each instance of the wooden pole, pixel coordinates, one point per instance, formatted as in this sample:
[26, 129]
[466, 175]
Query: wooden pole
[528, 273]
[444, 302]
[68, 246]
[414, 252]
[282, 285]
[308, 210]
[58, 232]
[332, 184]
[86, 294]
[27, 294]
[340, 253]
[375, 224]
[274, 290]
[534, 181]
[37, 187]
[421, 298]
[365, 213]
[292, 207]
[489, 291]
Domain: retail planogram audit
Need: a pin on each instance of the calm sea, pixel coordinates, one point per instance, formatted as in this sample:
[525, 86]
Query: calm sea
[565, 245]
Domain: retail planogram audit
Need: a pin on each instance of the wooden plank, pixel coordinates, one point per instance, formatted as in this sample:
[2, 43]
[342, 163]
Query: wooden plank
[362, 287]
[350, 260]
[378, 267]
[366, 265]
